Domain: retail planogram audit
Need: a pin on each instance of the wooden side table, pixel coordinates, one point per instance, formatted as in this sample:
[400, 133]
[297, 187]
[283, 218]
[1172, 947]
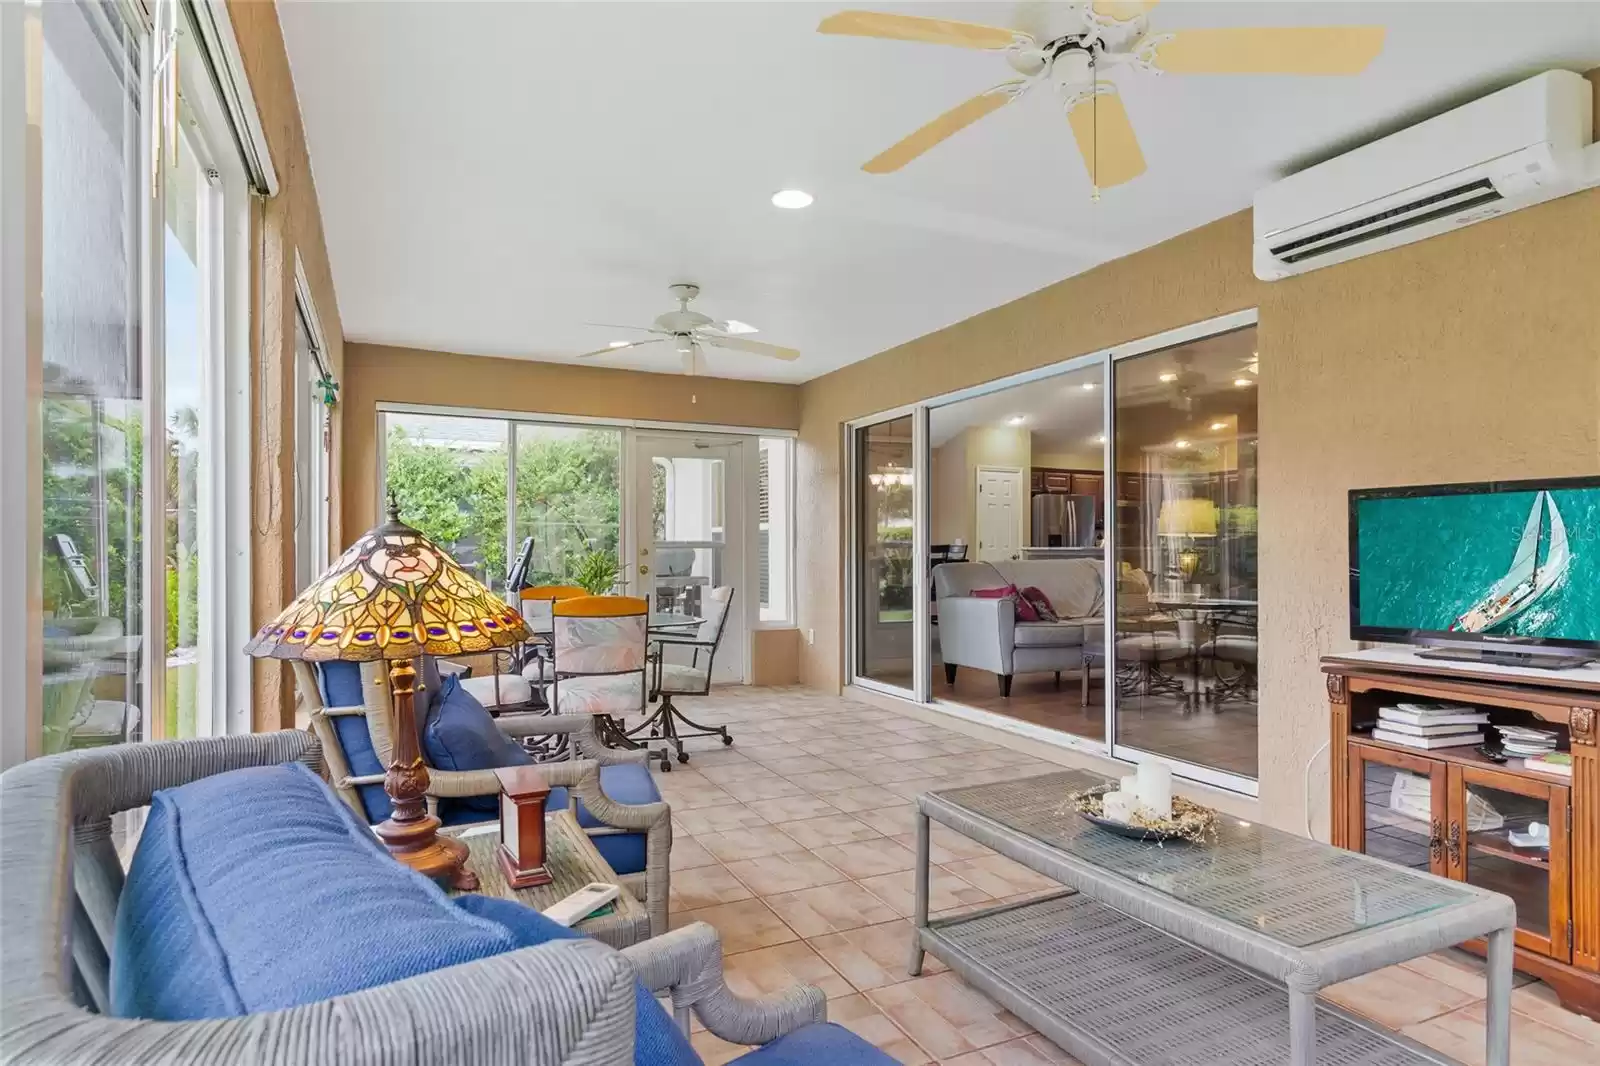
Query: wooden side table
[573, 861]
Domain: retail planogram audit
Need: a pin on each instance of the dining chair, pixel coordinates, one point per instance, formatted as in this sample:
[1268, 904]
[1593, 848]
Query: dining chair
[601, 656]
[536, 604]
[691, 679]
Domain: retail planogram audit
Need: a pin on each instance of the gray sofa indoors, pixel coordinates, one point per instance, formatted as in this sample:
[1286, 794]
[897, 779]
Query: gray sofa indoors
[983, 633]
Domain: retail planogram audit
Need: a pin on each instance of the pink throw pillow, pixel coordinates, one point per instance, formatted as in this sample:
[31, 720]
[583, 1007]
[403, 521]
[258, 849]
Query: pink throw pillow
[1041, 604]
[1024, 610]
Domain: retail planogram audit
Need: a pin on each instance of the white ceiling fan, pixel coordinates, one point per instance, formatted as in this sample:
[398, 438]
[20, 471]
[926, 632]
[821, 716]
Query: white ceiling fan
[1110, 34]
[689, 330]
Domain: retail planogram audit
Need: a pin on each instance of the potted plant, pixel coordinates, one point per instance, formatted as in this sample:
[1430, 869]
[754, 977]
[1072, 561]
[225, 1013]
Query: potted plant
[596, 572]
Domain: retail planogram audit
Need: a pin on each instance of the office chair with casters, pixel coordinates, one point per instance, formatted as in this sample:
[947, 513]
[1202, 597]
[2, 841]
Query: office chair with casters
[692, 679]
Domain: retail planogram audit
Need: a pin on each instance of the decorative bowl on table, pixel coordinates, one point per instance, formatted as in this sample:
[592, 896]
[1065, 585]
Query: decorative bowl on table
[1190, 822]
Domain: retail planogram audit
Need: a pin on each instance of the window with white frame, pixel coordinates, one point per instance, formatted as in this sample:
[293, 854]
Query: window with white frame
[128, 347]
[775, 529]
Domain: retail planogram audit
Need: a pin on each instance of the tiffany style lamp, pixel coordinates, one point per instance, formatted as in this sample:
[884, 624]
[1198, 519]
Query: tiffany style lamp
[395, 595]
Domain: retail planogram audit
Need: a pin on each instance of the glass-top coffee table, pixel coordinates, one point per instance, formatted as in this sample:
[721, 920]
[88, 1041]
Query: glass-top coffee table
[1196, 952]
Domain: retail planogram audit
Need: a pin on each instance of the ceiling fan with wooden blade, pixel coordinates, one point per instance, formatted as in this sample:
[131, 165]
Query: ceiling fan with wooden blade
[690, 330]
[1110, 34]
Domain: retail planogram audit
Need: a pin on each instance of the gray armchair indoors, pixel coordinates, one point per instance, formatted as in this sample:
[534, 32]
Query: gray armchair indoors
[983, 634]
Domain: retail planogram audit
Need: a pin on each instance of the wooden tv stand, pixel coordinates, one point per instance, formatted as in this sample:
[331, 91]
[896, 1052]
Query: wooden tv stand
[1470, 802]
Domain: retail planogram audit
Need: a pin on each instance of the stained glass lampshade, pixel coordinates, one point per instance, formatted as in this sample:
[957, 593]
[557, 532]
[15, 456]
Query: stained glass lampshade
[396, 595]
[393, 595]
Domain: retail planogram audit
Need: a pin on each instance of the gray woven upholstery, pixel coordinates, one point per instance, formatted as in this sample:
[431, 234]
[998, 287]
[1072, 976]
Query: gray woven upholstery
[568, 1003]
[687, 963]
[580, 776]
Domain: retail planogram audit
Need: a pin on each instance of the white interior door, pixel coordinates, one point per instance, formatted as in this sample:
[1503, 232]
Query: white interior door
[999, 513]
[690, 534]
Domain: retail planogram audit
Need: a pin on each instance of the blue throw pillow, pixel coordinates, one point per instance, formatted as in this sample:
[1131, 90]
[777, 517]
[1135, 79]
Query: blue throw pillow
[657, 1041]
[460, 735]
[258, 890]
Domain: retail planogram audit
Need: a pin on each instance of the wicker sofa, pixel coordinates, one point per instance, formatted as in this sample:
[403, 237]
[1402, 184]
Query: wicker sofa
[568, 1002]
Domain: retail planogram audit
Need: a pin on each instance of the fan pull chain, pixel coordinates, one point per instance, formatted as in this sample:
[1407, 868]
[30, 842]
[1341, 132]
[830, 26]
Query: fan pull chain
[1094, 126]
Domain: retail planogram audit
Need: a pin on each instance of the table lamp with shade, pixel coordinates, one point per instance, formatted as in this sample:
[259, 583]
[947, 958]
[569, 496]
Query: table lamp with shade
[1187, 519]
[394, 595]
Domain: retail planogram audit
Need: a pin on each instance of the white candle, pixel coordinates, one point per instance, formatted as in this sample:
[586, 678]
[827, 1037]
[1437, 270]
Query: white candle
[1130, 785]
[1117, 806]
[1155, 788]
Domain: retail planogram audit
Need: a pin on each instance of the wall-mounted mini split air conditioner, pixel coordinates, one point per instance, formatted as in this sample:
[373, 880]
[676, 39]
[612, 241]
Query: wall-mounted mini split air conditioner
[1512, 149]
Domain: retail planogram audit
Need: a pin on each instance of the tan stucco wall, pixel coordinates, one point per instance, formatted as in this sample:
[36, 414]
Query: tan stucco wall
[290, 222]
[1469, 356]
[774, 656]
[377, 373]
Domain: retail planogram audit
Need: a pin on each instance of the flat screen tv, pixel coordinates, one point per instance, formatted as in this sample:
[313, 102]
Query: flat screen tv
[1502, 571]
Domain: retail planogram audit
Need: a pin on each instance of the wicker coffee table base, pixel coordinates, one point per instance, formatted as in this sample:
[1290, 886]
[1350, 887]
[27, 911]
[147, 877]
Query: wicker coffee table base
[1112, 990]
[1122, 974]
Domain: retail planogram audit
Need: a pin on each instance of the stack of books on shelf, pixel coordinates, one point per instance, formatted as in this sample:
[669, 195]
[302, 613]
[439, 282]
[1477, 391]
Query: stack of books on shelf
[1430, 725]
[1537, 748]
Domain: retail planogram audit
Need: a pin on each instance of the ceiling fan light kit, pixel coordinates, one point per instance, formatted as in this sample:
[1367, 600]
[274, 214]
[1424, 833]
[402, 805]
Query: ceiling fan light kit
[1112, 34]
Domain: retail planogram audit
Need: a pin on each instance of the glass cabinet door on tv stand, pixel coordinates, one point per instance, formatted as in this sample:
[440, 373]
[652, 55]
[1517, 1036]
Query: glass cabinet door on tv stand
[1487, 844]
[1399, 807]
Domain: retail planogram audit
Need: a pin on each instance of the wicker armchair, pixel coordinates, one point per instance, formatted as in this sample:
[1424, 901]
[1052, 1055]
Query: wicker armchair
[580, 776]
[565, 1003]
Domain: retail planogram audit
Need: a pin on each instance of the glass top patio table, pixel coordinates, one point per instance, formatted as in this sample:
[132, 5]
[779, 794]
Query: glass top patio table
[1295, 891]
[671, 621]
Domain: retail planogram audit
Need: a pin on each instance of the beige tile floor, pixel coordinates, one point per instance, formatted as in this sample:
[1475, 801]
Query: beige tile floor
[795, 844]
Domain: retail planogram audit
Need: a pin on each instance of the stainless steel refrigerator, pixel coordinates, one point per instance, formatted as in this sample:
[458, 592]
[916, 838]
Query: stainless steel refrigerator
[1061, 520]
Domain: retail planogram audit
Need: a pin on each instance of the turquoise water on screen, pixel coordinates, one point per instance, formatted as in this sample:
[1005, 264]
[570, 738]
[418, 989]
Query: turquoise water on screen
[1426, 559]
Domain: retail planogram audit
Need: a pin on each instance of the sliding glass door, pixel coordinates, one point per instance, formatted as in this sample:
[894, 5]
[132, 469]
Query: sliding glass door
[884, 557]
[133, 273]
[1017, 480]
[1186, 591]
[1071, 553]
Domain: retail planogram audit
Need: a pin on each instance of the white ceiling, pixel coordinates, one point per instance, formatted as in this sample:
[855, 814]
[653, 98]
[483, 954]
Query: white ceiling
[494, 175]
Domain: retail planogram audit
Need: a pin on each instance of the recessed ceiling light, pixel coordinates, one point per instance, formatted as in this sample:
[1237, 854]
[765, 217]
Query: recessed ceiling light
[1087, 386]
[735, 326]
[619, 344]
[1169, 377]
[793, 199]
[1219, 425]
[1180, 444]
[1100, 439]
[1242, 383]
[1015, 420]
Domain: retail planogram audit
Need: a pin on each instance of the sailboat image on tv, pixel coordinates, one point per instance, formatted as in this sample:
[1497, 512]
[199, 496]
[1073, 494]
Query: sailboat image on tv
[1527, 581]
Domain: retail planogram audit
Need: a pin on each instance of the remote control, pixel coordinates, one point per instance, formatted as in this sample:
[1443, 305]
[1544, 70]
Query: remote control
[585, 901]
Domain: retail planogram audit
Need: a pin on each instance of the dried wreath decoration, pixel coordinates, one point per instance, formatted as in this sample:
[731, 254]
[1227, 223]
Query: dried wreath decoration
[1189, 821]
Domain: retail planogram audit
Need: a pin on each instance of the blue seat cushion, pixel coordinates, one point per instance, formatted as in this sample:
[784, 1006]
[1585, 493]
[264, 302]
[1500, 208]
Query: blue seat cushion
[459, 734]
[816, 1044]
[228, 863]
[341, 687]
[656, 1040]
[625, 783]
